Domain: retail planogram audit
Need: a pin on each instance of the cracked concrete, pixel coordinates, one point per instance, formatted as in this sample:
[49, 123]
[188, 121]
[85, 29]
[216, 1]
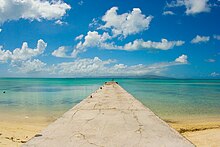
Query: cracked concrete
[113, 118]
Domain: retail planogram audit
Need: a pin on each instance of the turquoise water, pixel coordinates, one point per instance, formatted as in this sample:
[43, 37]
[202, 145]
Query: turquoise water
[43, 97]
[177, 99]
[52, 97]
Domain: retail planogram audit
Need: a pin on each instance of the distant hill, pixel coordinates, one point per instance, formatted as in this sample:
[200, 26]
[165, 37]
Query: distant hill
[138, 77]
[152, 77]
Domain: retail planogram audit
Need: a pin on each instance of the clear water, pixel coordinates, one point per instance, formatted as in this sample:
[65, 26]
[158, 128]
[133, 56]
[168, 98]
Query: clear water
[177, 99]
[42, 97]
[170, 99]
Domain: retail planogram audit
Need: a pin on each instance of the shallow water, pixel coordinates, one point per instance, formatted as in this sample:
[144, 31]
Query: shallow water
[177, 99]
[42, 97]
[170, 99]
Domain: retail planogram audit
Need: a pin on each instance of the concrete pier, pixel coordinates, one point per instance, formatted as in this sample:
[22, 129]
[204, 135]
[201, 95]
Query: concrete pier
[109, 117]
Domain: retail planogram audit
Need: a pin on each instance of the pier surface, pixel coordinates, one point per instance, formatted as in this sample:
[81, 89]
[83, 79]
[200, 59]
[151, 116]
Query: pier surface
[110, 117]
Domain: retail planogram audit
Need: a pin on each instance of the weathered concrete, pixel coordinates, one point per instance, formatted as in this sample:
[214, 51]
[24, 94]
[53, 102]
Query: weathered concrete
[111, 117]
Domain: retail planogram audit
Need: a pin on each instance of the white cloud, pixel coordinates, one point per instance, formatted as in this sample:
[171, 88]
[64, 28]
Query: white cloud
[196, 6]
[80, 37]
[192, 6]
[199, 39]
[175, 3]
[60, 52]
[32, 9]
[0, 30]
[22, 53]
[168, 13]
[215, 74]
[141, 44]
[98, 67]
[182, 59]
[60, 22]
[91, 67]
[94, 24]
[92, 39]
[127, 23]
[83, 67]
[217, 37]
[116, 26]
[30, 66]
[102, 41]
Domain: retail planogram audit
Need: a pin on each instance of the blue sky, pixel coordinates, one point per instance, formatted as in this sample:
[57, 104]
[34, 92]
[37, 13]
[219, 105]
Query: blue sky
[174, 38]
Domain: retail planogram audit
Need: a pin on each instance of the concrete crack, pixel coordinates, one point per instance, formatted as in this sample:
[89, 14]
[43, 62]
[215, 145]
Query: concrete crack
[74, 114]
[140, 127]
[84, 138]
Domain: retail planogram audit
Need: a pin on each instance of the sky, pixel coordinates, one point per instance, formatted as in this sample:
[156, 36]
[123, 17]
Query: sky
[84, 38]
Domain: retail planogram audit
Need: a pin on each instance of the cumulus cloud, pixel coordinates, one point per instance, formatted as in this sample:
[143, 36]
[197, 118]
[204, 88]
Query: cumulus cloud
[217, 37]
[83, 67]
[168, 13]
[60, 22]
[103, 41]
[192, 6]
[92, 39]
[22, 53]
[98, 67]
[116, 26]
[199, 39]
[94, 24]
[80, 37]
[92, 67]
[182, 59]
[60, 52]
[141, 44]
[127, 23]
[30, 66]
[32, 9]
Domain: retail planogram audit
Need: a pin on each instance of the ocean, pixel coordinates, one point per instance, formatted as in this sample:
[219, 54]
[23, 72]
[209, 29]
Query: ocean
[49, 98]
